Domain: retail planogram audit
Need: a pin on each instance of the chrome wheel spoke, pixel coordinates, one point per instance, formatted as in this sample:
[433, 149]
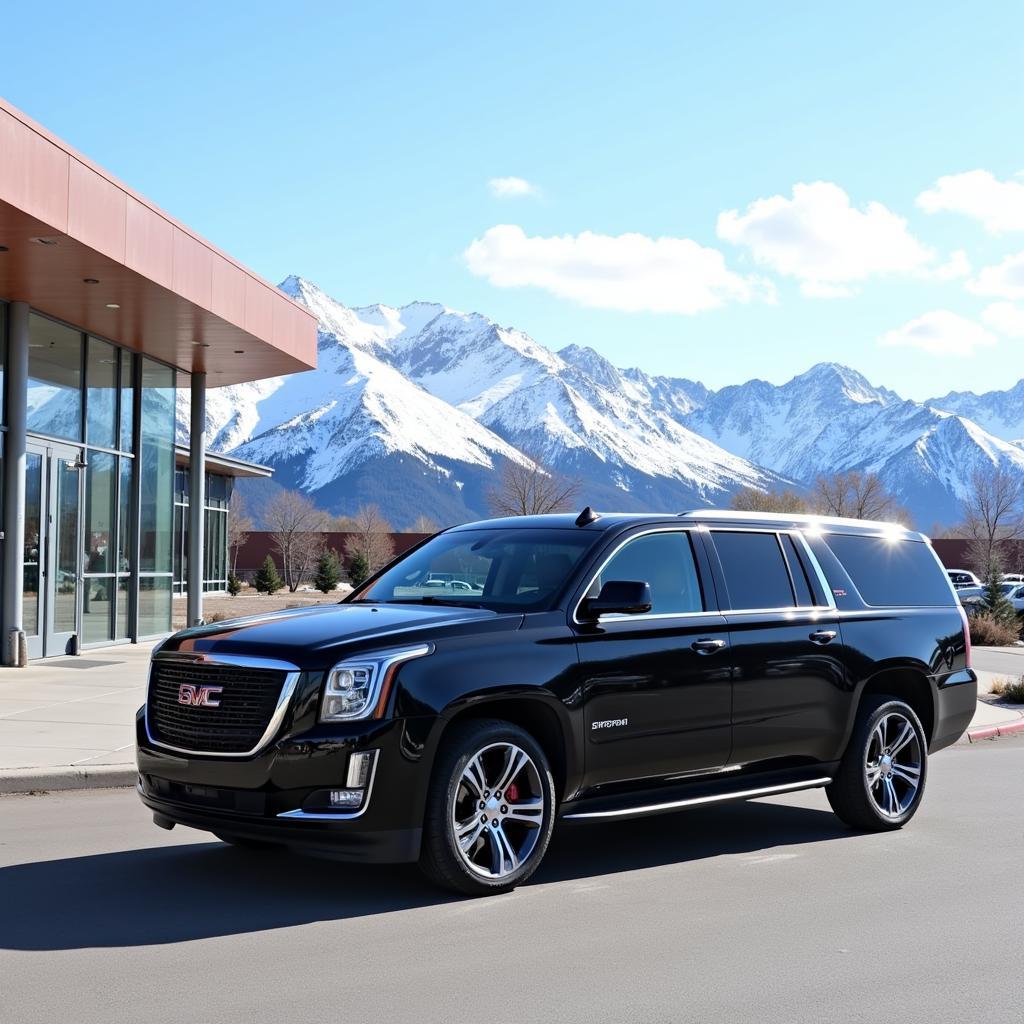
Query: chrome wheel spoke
[516, 762]
[529, 813]
[468, 835]
[909, 773]
[905, 736]
[473, 776]
[874, 773]
[503, 857]
[892, 803]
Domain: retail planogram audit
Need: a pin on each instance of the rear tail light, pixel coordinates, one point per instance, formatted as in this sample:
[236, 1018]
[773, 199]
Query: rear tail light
[967, 635]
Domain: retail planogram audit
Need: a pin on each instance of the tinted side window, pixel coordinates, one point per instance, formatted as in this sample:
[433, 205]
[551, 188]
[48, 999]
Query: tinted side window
[666, 562]
[891, 573]
[755, 572]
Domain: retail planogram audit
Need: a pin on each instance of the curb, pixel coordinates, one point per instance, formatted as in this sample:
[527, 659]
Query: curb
[100, 776]
[992, 731]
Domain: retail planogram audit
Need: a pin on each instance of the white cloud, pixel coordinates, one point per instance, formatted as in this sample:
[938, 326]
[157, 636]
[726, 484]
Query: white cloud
[957, 266]
[1004, 280]
[999, 205]
[512, 188]
[1005, 318]
[940, 333]
[631, 272]
[821, 240]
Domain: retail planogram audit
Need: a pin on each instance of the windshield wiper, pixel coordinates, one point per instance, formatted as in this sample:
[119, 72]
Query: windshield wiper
[451, 602]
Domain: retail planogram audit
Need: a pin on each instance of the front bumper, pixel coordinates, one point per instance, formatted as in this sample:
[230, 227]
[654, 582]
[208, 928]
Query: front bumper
[267, 796]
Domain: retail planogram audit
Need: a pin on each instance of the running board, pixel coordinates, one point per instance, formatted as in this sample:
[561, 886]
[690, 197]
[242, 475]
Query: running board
[694, 801]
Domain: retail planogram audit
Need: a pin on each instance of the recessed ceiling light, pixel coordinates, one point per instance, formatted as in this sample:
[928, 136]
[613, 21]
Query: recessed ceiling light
[90, 280]
[197, 343]
[113, 305]
[239, 351]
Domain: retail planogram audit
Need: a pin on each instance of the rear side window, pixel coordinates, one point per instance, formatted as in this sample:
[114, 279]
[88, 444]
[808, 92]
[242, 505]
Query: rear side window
[891, 573]
[801, 584]
[755, 571]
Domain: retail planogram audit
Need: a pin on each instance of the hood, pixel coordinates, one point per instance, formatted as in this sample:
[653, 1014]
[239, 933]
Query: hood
[312, 637]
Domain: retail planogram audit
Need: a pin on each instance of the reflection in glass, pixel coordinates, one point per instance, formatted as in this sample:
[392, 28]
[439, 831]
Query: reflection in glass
[157, 455]
[100, 512]
[154, 605]
[65, 584]
[101, 394]
[121, 630]
[127, 408]
[33, 546]
[54, 379]
[98, 609]
[124, 538]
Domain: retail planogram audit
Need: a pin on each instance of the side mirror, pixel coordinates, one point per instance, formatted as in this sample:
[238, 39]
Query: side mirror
[620, 597]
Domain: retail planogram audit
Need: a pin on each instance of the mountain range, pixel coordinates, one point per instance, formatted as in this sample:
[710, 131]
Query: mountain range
[415, 408]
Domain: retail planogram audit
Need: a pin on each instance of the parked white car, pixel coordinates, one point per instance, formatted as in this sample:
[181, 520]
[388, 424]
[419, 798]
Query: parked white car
[961, 578]
[1013, 577]
[970, 597]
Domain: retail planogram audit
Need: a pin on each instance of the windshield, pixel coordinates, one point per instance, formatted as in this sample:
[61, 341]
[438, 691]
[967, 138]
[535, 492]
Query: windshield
[507, 570]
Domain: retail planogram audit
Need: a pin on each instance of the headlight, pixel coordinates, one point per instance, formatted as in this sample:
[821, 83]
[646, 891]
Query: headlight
[359, 686]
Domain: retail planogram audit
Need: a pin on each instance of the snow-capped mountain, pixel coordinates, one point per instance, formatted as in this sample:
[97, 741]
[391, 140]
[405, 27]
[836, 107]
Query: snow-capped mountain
[998, 412]
[831, 419]
[415, 408]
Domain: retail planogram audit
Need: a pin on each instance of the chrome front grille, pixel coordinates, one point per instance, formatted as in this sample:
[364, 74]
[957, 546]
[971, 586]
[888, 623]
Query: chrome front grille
[247, 699]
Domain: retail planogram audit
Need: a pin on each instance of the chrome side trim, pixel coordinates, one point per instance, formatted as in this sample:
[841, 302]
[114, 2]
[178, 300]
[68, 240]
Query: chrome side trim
[745, 794]
[291, 680]
[300, 815]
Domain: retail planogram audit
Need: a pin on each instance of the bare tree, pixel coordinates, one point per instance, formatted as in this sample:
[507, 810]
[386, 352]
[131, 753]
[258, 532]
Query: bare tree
[531, 490]
[855, 495]
[370, 537]
[424, 524]
[239, 527]
[296, 529]
[339, 524]
[993, 515]
[750, 499]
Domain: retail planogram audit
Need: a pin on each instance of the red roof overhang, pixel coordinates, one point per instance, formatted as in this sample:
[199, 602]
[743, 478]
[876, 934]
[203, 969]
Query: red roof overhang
[179, 298]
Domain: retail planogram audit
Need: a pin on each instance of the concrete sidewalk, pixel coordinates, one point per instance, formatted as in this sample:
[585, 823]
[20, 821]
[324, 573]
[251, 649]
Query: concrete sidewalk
[69, 723]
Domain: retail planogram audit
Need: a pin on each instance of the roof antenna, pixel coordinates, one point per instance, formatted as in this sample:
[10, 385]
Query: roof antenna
[586, 517]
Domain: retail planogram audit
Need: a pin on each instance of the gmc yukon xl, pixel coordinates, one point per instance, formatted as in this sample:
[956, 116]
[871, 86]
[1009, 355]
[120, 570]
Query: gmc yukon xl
[507, 674]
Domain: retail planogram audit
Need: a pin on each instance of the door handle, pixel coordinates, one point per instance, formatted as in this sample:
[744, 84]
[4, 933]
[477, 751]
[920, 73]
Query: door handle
[823, 636]
[707, 646]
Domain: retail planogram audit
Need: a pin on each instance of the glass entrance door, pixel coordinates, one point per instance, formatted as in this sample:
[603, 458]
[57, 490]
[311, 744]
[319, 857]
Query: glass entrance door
[52, 574]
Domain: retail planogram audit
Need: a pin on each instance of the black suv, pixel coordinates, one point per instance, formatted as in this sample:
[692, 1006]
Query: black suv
[507, 673]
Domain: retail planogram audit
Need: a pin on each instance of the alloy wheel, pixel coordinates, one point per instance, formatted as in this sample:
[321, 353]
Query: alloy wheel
[497, 810]
[893, 764]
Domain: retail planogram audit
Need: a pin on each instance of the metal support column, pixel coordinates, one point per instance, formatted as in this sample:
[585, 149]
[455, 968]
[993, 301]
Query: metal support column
[196, 501]
[16, 382]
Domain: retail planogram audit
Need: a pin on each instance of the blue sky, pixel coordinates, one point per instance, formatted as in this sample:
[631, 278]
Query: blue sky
[354, 144]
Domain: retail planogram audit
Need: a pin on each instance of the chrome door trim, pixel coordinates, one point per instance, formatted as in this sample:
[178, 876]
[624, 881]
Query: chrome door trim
[291, 680]
[744, 794]
[643, 617]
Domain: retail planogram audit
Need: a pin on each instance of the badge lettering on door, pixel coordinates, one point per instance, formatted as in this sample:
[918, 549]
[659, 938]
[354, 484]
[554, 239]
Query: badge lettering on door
[609, 723]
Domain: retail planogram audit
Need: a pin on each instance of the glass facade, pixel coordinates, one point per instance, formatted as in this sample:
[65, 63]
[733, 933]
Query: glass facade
[218, 497]
[108, 578]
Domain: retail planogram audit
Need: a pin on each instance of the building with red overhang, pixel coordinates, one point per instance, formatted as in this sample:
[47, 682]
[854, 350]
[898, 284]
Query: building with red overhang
[109, 307]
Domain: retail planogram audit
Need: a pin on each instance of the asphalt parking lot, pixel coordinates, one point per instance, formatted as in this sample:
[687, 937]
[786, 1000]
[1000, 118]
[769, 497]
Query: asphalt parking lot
[768, 911]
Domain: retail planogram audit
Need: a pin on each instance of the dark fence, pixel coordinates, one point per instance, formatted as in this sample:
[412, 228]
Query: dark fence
[260, 543]
[954, 553]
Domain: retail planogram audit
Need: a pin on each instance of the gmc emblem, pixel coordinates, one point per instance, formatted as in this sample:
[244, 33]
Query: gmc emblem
[199, 696]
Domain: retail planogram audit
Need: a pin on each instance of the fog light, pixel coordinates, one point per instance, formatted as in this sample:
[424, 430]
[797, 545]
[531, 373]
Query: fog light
[359, 766]
[346, 797]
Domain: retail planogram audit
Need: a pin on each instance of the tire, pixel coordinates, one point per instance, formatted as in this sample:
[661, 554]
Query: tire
[863, 793]
[502, 840]
[257, 845]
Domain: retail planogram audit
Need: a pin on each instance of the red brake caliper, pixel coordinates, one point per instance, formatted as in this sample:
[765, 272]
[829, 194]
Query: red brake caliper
[512, 793]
